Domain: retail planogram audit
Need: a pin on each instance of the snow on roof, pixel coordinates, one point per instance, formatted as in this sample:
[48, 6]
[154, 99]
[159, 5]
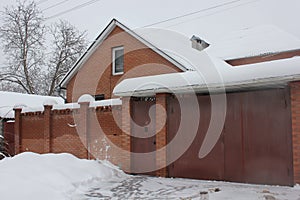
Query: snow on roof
[10, 100]
[206, 68]
[252, 75]
[259, 40]
[173, 44]
[254, 41]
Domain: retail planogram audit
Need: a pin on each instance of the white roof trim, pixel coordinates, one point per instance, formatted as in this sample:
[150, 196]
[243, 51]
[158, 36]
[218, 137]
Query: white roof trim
[242, 77]
[273, 82]
[103, 35]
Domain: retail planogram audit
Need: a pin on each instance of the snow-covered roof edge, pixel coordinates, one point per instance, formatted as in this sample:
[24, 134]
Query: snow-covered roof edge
[242, 77]
[93, 104]
[98, 41]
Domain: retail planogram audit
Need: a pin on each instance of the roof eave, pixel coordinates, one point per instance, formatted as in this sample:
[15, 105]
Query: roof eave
[63, 83]
[264, 83]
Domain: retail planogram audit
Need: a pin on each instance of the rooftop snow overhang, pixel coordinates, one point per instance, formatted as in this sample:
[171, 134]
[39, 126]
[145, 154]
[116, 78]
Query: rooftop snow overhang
[275, 82]
[261, 75]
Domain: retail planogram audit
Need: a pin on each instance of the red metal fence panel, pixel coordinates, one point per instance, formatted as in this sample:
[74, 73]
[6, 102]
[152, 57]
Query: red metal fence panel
[255, 144]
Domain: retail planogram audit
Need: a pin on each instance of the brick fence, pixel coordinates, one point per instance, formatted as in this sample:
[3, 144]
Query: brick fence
[295, 111]
[86, 130]
[8, 133]
[74, 130]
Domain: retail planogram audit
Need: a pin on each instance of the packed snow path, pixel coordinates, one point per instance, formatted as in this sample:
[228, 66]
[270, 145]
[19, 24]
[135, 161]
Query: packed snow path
[65, 177]
[142, 187]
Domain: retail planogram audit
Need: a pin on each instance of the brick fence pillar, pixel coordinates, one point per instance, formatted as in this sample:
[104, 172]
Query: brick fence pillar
[18, 130]
[83, 126]
[295, 111]
[47, 128]
[161, 133]
[125, 138]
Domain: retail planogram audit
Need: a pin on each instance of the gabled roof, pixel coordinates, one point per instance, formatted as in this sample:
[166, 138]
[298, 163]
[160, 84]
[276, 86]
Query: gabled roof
[254, 41]
[98, 41]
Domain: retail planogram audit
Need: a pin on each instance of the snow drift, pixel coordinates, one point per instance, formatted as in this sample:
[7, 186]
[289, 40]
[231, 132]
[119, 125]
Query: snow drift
[49, 176]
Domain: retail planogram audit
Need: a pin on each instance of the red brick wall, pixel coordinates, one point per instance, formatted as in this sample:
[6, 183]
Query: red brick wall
[64, 137]
[65, 133]
[161, 134]
[99, 66]
[8, 131]
[105, 140]
[33, 139]
[295, 106]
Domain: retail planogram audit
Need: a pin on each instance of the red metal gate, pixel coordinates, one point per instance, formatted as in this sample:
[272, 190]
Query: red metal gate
[255, 144]
[189, 165]
[143, 133]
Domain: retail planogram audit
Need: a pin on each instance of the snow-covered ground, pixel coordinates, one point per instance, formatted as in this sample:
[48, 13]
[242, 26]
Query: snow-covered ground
[141, 187]
[33, 176]
[62, 176]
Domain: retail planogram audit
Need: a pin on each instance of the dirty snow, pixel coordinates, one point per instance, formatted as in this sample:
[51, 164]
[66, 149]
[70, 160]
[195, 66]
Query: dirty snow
[142, 187]
[63, 176]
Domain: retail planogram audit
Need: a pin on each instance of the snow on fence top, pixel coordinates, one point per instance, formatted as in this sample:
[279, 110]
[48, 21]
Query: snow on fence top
[108, 102]
[11, 100]
[71, 106]
[66, 106]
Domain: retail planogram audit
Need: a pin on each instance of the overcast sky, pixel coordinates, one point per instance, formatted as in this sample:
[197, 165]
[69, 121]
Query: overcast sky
[212, 17]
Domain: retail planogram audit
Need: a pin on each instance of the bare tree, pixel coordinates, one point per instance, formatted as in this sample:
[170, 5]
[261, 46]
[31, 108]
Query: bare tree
[68, 45]
[22, 36]
[29, 69]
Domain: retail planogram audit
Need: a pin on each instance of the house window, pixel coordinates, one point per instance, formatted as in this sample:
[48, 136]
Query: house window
[118, 61]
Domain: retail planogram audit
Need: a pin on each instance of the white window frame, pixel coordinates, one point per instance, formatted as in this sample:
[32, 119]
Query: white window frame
[113, 61]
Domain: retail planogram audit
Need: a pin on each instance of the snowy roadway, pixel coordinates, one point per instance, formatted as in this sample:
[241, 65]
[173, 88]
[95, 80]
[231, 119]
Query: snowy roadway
[141, 187]
[32, 176]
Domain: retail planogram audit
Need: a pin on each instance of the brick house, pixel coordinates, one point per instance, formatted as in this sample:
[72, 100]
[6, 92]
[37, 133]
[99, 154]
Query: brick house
[154, 69]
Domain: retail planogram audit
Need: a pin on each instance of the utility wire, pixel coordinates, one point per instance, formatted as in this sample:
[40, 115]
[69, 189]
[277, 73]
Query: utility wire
[192, 13]
[225, 9]
[57, 4]
[74, 8]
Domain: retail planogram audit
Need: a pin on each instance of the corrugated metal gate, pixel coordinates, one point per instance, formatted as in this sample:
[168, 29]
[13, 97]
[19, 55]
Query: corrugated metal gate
[255, 145]
[144, 129]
